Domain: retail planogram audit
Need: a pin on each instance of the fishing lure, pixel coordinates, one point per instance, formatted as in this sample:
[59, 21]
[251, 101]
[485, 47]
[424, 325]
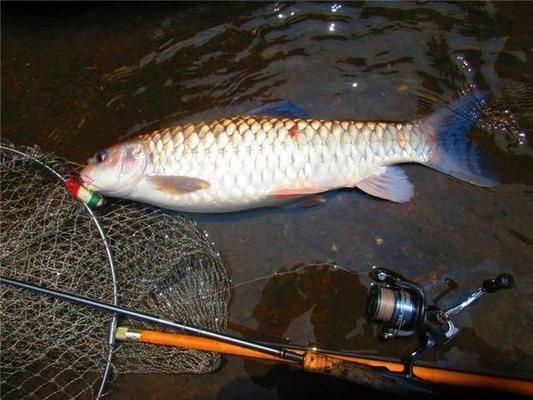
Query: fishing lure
[81, 193]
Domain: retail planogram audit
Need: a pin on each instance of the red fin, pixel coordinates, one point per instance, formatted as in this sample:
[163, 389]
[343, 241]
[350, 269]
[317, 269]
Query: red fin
[284, 193]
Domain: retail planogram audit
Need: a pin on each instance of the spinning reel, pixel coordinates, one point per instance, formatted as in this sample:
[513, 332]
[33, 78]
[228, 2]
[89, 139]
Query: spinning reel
[403, 310]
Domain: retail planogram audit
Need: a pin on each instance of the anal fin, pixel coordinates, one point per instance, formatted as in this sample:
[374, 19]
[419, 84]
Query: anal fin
[390, 183]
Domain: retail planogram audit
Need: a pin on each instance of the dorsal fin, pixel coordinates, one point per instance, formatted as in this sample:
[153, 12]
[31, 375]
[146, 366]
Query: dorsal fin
[281, 109]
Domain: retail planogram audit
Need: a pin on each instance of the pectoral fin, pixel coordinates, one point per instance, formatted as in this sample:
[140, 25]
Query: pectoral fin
[176, 185]
[390, 183]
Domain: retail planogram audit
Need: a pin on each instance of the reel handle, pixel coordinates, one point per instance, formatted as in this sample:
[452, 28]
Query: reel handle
[502, 281]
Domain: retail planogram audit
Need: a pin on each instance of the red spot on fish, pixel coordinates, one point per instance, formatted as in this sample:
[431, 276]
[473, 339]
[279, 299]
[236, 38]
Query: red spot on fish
[294, 131]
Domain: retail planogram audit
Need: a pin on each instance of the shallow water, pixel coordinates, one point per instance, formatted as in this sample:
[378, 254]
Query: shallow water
[78, 78]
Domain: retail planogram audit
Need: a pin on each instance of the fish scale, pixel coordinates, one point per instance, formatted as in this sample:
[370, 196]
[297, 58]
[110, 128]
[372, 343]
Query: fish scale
[260, 157]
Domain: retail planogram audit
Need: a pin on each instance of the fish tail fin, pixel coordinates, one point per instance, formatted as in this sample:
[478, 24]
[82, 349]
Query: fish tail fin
[453, 152]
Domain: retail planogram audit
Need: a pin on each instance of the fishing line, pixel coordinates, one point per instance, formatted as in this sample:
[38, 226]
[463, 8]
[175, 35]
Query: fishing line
[274, 275]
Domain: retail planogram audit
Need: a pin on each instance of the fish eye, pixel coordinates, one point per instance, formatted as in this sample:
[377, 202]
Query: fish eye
[101, 156]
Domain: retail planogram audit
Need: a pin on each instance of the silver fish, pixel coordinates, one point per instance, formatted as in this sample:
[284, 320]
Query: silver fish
[244, 162]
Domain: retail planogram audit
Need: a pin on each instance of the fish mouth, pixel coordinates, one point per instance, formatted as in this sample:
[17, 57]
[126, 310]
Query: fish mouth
[87, 181]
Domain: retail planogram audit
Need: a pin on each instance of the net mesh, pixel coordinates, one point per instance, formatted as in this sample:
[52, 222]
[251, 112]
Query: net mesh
[164, 265]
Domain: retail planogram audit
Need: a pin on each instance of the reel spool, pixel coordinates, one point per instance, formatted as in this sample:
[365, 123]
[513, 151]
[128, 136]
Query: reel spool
[398, 304]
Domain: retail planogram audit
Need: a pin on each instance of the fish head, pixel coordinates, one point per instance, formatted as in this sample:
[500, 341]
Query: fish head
[116, 170]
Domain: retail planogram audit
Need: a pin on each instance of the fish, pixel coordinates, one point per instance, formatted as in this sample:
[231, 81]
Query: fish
[273, 156]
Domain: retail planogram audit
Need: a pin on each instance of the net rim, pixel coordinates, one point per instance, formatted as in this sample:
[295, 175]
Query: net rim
[109, 255]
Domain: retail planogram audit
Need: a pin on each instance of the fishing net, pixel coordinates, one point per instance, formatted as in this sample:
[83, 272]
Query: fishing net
[151, 261]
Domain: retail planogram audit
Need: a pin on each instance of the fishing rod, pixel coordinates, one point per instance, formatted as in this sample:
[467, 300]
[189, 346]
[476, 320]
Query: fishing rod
[310, 360]
[432, 375]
